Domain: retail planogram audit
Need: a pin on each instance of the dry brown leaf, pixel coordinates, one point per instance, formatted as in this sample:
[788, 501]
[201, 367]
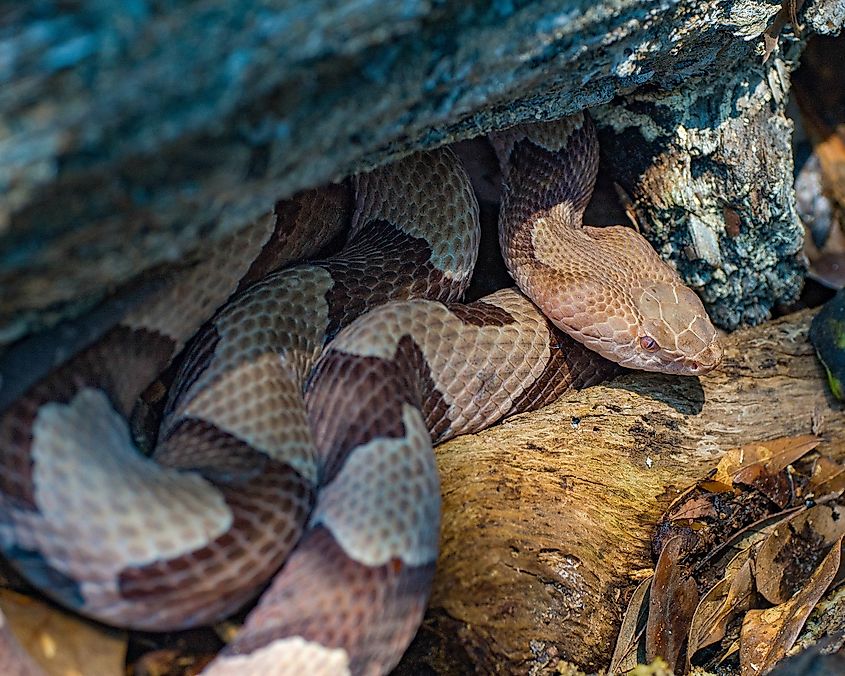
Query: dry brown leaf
[789, 554]
[786, 450]
[60, 643]
[775, 456]
[625, 653]
[779, 488]
[726, 599]
[828, 478]
[733, 648]
[672, 602]
[746, 463]
[767, 635]
[767, 468]
[706, 626]
[681, 498]
[734, 459]
[712, 486]
[696, 508]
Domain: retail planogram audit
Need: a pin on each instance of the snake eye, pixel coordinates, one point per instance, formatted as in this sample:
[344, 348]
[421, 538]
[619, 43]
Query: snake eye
[649, 344]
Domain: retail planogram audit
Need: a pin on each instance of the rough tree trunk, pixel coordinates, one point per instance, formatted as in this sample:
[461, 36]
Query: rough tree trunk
[548, 517]
[132, 132]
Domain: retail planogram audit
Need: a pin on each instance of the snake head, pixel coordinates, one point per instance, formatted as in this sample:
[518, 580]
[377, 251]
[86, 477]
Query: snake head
[673, 332]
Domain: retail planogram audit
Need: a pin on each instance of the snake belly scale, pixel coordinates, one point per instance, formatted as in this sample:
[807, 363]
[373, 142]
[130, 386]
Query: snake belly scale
[295, 447]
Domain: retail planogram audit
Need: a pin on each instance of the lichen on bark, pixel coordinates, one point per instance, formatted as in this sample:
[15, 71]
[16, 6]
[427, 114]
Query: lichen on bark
[708, 167]
[130, 134]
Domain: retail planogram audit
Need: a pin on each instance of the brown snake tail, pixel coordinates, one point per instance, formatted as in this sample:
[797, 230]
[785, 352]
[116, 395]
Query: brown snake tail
[295, 447]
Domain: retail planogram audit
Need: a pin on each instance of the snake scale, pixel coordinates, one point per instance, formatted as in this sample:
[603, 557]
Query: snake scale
[295, 445]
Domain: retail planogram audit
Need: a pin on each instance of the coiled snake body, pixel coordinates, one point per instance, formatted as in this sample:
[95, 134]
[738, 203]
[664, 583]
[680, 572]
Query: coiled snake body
[338, 484]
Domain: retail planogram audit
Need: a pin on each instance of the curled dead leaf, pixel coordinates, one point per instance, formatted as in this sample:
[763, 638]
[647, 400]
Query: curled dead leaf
[672, 602]
[828, 478]
[633, 624]
[697, 508]
[746, 463]
[768, 634]
[791, 551]
[729, 598]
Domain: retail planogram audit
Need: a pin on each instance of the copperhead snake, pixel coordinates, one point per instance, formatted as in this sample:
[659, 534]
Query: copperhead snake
[296, 441]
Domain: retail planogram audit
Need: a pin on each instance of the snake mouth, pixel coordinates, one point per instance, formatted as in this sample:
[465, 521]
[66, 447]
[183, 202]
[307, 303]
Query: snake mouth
[706, 360]
[675, 364]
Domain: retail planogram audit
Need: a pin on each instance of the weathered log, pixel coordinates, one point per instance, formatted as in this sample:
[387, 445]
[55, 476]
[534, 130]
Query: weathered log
[548, 517]
[132, 132]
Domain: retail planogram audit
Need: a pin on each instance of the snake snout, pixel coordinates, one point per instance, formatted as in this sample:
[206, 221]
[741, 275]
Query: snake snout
[696, 349]
[674, 326]
[709, 358]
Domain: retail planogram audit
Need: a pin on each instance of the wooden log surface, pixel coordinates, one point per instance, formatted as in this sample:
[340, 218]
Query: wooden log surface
[548, 516]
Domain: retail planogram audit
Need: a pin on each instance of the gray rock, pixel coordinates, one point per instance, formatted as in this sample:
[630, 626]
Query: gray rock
[709, 169]
[130, 132]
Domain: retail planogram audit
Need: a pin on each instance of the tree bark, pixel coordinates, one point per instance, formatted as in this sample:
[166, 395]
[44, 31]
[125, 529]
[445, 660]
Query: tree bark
[132, 133]
[548, 516]
[715, 197]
